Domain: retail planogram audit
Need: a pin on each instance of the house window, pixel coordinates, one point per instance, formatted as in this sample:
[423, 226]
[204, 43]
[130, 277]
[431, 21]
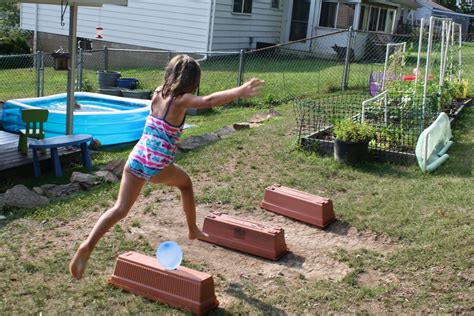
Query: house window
[328, 14]
[374, 15]
[242, 6]
[345, 15]
[275, 4]
[376, 19]
[336, 15]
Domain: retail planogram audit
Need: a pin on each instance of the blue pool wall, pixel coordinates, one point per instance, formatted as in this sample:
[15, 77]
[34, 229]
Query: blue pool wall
[108, 127]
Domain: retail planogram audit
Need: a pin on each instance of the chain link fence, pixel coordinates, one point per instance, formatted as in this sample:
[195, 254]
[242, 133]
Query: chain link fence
[20, 76]
[311, 67]
[307, 71]
[337, 61]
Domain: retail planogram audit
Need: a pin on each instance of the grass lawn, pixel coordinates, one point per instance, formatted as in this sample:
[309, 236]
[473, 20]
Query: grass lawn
[403, 242]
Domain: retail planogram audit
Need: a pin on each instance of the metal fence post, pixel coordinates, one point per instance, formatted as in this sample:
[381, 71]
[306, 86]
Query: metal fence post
[106, 58]
[347, 60]
[41, 72]
[240, 75]
[38, 73]
[80, 67]
[241, 67]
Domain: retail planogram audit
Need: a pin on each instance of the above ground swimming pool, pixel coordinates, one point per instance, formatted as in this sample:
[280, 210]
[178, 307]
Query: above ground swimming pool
[110, 120]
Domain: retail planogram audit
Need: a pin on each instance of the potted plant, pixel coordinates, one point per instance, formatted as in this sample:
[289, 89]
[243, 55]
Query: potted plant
[352, 140]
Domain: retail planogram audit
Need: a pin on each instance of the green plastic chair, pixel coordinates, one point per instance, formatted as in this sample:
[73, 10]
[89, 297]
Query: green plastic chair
[33, 119]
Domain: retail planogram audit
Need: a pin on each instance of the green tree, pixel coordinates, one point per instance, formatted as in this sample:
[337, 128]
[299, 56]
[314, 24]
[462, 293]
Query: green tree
[9, 18]
[463, 6]
[13, 40]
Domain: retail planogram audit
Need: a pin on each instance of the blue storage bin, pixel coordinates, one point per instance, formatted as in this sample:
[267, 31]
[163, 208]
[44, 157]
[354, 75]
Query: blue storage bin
[128, 83]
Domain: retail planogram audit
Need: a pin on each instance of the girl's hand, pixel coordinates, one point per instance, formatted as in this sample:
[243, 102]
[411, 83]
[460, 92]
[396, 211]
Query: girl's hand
[252, 87]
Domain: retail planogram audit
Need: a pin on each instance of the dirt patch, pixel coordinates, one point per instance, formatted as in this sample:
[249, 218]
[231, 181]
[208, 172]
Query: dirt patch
[311, 249]
[159, 217]
[468, 275]
[373, 278]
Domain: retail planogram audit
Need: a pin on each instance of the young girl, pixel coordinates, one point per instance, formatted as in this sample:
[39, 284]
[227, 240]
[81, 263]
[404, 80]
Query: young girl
[152, 157]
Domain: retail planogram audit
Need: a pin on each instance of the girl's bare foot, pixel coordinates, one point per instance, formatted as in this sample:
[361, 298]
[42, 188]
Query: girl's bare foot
[79, 261]
[196, 233]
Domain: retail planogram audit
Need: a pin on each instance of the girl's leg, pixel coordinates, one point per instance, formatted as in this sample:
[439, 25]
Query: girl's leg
[130, 188]
[175, 176]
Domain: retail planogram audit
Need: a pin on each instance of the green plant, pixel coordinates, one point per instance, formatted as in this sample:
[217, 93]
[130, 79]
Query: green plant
[87, 85]
[350, 131]
[140, 85]
[450, 90]
[15, 43]
[9, 18]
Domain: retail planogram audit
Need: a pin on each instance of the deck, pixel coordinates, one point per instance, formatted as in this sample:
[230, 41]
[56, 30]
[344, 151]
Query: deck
[11, 158]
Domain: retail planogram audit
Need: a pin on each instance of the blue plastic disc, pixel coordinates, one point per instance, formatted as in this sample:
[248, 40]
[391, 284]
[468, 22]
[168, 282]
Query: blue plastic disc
[169, 255]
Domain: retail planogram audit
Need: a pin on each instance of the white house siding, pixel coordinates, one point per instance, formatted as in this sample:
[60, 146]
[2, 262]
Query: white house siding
[162, 24]
[240, 31]
[423, 12]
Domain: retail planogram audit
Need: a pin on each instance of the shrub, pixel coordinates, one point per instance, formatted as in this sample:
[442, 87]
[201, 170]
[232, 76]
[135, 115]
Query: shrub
[15, 43]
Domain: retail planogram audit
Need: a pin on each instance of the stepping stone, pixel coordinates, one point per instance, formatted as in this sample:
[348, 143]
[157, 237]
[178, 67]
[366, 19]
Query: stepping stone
[225, 131]
[85, 180]
[194, 142]
[115, 166]
[55, 191]
[21, 196]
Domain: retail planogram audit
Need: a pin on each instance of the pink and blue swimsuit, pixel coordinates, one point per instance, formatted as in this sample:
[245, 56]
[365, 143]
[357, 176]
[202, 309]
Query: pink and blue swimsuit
[156, 149]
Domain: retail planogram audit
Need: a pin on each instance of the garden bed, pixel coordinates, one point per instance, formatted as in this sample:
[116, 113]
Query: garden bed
[454, 109]
[398, 123]
[322, 142]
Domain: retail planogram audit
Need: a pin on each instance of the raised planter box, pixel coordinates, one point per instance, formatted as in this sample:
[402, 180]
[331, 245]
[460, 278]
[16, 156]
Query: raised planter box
[455, 109]
[323, 143]
[302, 206]
[193, 111]
[182, 288]
[111, 91]
[246, 236]
[136, 94]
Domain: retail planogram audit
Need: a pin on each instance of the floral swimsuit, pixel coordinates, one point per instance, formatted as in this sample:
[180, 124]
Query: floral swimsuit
[156, 149]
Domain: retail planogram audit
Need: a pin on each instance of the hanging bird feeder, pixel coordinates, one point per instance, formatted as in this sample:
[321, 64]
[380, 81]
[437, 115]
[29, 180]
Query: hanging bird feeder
[98, 32]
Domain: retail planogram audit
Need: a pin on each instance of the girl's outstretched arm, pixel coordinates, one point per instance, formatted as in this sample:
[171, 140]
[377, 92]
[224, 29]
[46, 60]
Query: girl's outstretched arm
[249, 89]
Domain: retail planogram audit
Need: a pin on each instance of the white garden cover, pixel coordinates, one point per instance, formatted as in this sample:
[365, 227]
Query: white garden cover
[433, 144]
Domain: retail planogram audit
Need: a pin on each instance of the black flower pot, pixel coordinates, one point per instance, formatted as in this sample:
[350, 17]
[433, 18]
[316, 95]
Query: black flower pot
[350, 152]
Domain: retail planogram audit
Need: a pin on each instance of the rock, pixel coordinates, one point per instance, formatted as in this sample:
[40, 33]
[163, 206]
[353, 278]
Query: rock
[21, 196]
[85, 180]
[239, 126]
[194, 142]
[225, 131]
[38, 190]
[2, 201]
[116, 166]
[59, 191]
[262, 117]
[107, 176]
[2, 218]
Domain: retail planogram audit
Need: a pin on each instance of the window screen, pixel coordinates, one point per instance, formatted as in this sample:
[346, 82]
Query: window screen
[328, 14]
